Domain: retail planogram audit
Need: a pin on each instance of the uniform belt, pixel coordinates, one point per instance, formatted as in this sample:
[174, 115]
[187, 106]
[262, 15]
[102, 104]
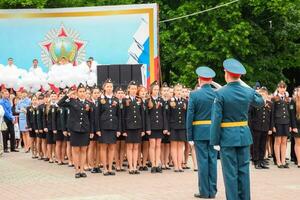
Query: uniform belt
[234, 124]
[202, 122]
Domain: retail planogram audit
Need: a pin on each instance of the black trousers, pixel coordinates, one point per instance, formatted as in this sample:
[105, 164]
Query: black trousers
[9, 134]
[259, 145]
[293, 154]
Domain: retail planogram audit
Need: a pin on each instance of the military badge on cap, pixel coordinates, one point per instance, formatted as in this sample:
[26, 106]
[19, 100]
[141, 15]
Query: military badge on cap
[81, 86]
[234, 66]
[132, 83]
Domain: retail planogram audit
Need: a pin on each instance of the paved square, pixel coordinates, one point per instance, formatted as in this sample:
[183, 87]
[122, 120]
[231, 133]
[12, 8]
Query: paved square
[26, 179]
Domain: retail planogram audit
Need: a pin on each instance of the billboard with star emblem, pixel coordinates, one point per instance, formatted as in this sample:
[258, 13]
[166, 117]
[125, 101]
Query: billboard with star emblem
[124, 34]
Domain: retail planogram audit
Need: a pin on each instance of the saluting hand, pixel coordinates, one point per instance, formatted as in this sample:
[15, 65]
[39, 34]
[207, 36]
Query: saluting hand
[165, 132]
[36, 131]
[274, 129]
[143, 133]
[118, 133]
[148, 132]
[125, 134]
[45, 129]
[55, 131]
[71, 93]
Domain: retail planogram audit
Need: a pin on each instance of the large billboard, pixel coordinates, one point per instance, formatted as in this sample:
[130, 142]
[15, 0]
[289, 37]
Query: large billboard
[125, 34]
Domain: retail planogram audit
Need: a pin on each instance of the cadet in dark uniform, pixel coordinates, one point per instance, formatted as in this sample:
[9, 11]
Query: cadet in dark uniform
[156, 125]
[282, 124]
[65, 130]
[133, 125]
[229, 129]
[198, 127]
[295, 107]
[165, 143]
[59, 137]
[261, 127]
[80, 127]
[41, 123]
[144, 147]
[51, 112]
[108, 126]
[31, 119]
[120, 144]
[94, 147]
[176, 114]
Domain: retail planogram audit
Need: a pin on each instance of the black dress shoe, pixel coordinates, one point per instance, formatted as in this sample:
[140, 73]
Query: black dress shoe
[46, 159]
[153, 170]
[141, 168]
[158, 169]
[83, 175]
[280, 166]
[145, 168]
[70, 165]
[77, 175]
[136, 172]
[181, 170]
[286, 166]
[112, 173]
[264, 166]
[176, 170]
[131, 172]
[106, 174]
[14, 150]
[201, 196]
[298, 166]
[258, 166]
[195, 170]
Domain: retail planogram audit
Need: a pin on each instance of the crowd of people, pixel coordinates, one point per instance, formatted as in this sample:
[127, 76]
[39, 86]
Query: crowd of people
[102, 129]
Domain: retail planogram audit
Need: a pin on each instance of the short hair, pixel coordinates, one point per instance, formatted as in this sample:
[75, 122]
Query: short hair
[35, 60]
[91, 58]
[10, 58]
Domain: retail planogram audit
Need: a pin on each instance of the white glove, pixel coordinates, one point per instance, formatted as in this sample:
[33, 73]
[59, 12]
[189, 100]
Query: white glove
[191, 143]
[217, 147]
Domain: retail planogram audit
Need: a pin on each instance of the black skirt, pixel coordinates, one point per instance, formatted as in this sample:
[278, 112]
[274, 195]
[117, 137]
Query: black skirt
[121, 138]
[178, 135]
[59, 136]
[282, 130]
[79, 139]
[94, 138]
[133, 136]
[109, 136]
[145, 138]
[32, 134]
[41, 135]
[50, 137]
[156, 134]
[165, 139]
[67, 138]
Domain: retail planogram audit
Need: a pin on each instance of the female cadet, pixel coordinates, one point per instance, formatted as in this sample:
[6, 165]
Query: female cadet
[65, 129]
[165, 143]
[295, 107]
[133, 125]
[176, 118]
[21, 108]
[108, 126]
[79, 125]
[120, 144]
[156, 126]
[32, 124]
[144, 147]
[60, 144]
[281, 121]
[51, 111]
[41, 140]
[94, 146]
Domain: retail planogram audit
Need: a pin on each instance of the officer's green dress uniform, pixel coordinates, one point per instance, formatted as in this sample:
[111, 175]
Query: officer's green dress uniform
[230, 130]
[198, 129]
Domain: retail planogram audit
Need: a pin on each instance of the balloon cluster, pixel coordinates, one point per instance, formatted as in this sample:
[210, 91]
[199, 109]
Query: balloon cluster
[60, 76]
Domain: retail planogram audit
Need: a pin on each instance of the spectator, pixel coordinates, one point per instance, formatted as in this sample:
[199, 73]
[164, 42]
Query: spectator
[9, 119]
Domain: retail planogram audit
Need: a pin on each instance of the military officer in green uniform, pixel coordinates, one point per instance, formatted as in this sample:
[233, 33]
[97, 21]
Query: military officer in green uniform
[198, 129]
[230, 132]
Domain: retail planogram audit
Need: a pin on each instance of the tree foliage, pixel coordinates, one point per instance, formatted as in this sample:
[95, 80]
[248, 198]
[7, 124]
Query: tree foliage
[262, 34]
